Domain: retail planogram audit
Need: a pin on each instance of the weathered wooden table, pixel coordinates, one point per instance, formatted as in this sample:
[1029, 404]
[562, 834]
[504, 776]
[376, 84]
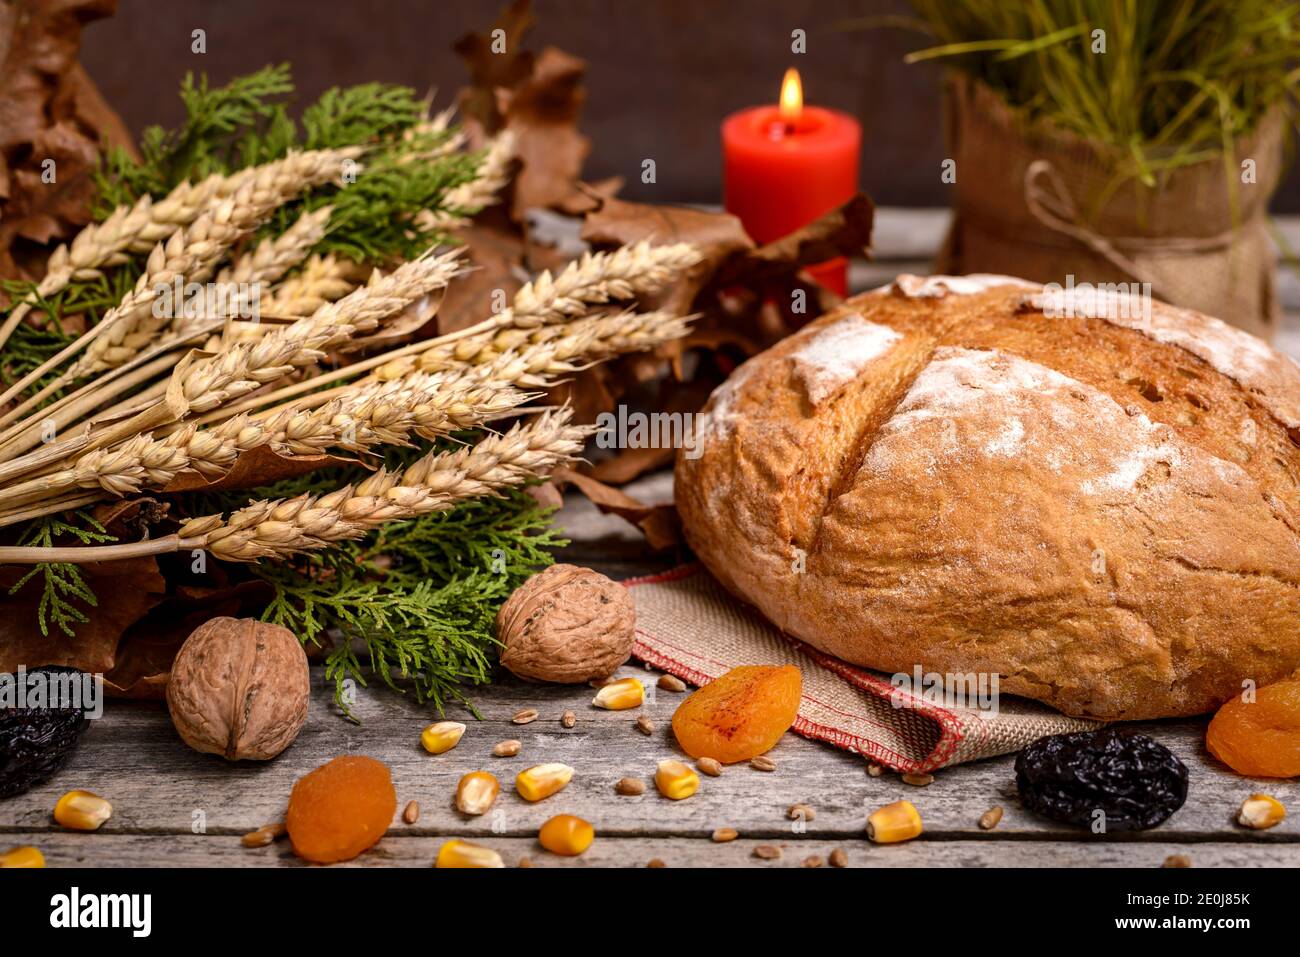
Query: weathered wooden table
[176, 807]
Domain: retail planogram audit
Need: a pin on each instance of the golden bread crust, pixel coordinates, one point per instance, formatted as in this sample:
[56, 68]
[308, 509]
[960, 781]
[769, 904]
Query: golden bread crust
[1102, 508]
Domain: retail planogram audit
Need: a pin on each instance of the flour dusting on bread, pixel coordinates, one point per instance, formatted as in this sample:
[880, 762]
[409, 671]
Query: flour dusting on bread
[910, 286]
[720, 418]
[991, 404]
[838, 354]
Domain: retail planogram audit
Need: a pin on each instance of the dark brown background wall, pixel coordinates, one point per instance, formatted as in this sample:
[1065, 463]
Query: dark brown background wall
[662, 72]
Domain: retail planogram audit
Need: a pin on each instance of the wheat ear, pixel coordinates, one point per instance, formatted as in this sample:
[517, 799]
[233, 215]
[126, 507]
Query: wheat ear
[204, 244]
[280, 529]
[381, 413]
[385, 411]
[534, 356]
[322, 279]
[214, 381]
[189, 254]
[596, 278]
[273, 257]
[136, 229]
[463, 201]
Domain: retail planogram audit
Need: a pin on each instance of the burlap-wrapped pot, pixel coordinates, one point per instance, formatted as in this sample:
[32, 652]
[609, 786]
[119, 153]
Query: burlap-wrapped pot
[1044, 204]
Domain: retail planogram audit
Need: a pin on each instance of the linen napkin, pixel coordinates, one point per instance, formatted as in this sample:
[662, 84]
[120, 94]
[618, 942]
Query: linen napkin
[690, 626]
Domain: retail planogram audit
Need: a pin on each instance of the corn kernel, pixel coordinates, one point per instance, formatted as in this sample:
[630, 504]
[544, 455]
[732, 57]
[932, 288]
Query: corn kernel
[676, 780]
[25, 856]
[566, 835]
[542, 780]
[895, 822]
[465, 854]
[442, 736]
[1259, 811]
[82, 811]
[476, 792]
[620, 695]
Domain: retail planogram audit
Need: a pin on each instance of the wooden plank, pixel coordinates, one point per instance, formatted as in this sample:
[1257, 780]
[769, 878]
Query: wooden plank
[399, 848]
[158, 785]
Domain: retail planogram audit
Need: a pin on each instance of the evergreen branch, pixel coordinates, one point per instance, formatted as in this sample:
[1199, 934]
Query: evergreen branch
[63, 584]
[418, 598]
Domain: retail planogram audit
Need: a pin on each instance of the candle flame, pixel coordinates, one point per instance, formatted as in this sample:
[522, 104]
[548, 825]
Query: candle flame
[791, 96]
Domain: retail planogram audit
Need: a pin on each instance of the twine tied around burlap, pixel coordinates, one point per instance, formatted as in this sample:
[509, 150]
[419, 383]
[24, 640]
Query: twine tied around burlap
[1044, 204]
[688, 625]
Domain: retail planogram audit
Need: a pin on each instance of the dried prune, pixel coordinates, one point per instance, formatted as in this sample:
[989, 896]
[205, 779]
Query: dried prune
[36, 741]
[1134, 780]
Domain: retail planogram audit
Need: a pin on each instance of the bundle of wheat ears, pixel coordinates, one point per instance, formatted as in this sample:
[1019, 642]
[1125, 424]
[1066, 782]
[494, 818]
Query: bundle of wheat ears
[154, 393]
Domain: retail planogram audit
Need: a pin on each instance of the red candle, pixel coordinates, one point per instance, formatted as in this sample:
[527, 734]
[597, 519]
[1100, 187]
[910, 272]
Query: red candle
[787, 164]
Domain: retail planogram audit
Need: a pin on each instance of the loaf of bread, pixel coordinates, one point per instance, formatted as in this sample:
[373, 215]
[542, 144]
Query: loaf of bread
[1096, 498]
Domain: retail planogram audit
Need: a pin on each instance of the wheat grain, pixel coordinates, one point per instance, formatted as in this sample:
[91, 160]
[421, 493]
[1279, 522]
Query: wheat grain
[279, 529]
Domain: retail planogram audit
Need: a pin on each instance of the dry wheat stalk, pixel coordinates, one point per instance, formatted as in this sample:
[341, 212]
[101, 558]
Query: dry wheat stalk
[137, 229]
[280, 529]
[595, 279]
[457, 392]
[380, 413]
[216, 380]
[190, 254]
[207, 382]
[197, 250]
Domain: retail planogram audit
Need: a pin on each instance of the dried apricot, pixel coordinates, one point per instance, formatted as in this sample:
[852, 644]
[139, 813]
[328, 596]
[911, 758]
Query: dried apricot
[739, 715]
[1260, 738]
[340, 809]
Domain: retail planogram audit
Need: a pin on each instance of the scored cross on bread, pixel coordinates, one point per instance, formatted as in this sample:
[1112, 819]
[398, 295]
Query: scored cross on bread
[1096, 498]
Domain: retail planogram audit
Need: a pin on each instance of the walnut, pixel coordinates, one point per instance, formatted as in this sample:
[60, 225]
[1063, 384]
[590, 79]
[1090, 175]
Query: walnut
[568, 625]
[239, 688]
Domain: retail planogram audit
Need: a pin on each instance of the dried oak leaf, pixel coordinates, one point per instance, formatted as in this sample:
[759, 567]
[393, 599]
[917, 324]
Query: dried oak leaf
[492, 67]
[543, 114]
[632, 463]
[659, 523]
[719, 237]
[131, 518]
[147, 648]
[844, 231]
[126, 590]
[49, 110]
[537, 97]
[496, 257]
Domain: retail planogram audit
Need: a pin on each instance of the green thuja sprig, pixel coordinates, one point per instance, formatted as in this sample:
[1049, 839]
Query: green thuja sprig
[63, 584]
[414, 602]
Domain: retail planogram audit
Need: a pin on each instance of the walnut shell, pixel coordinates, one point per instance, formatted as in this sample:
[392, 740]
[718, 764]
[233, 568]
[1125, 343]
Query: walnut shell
[567, 625]
[239, 688]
